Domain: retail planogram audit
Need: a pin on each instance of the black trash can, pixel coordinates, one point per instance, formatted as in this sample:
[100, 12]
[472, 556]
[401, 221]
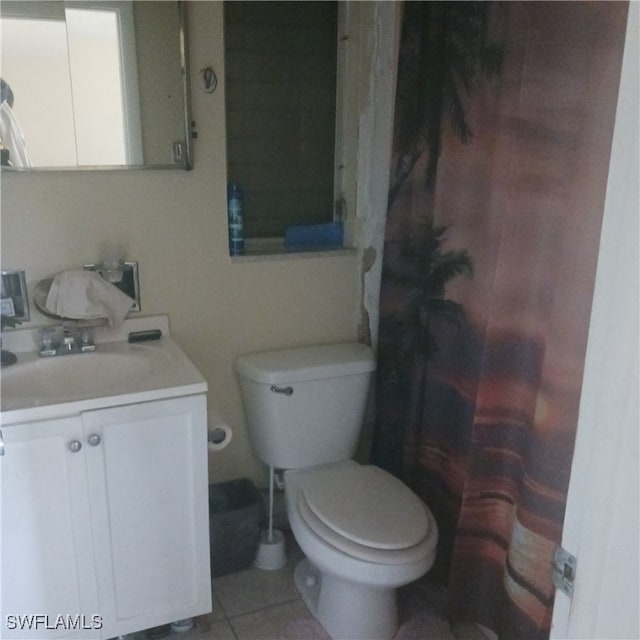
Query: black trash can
[236, 517]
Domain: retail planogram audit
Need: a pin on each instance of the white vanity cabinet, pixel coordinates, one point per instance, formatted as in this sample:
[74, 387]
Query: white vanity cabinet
[46, 556]
[105, 514]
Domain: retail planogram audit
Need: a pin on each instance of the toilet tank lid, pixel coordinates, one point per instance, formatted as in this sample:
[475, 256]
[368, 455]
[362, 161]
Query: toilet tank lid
[306, 363]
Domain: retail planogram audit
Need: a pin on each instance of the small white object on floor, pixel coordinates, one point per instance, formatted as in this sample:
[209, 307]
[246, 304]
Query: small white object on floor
[271, 554]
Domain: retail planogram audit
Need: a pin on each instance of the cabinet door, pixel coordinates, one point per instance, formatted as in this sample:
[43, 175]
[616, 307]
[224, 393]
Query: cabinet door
[48, 582]
[147, 467]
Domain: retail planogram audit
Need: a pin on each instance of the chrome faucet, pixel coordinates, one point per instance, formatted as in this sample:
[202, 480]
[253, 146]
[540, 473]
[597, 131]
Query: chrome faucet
[60, 341]
[68, 342]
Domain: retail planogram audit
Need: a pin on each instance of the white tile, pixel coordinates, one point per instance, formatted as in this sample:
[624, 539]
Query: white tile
[220, 630]
[218, 612]
[270, 623]
[255, 589]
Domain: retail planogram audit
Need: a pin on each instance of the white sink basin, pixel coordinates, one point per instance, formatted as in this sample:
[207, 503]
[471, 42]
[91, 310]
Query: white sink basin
[75, 375]
[116, 373]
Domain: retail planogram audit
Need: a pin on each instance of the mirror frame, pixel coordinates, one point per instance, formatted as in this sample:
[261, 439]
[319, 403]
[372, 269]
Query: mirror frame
[186, 87]
[189, 132]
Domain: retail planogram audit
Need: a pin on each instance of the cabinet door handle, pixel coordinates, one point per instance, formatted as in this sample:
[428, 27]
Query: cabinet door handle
[1, 444]
[75, 446]
[94, 439]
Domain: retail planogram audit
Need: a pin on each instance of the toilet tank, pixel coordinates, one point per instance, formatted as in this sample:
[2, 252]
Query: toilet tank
[305, 405]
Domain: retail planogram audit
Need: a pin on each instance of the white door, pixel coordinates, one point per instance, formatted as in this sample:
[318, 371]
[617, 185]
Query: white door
[147, 478]
[601, 521]
[48, 584]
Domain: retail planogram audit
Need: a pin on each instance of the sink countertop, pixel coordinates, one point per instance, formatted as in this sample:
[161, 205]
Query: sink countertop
[117, 373]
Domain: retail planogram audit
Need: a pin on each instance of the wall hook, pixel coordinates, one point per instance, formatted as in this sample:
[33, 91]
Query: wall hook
[208, 79]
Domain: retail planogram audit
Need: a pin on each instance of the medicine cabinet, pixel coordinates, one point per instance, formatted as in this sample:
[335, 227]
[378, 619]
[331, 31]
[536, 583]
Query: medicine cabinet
[96, 84]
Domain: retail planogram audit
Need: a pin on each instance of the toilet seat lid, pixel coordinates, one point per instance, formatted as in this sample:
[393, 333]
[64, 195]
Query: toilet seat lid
[367, 506]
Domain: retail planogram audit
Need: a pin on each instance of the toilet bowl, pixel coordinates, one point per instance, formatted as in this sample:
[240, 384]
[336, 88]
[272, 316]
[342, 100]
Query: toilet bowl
[364, 534]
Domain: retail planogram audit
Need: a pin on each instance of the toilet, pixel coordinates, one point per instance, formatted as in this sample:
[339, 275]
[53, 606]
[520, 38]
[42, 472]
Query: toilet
[363, 532]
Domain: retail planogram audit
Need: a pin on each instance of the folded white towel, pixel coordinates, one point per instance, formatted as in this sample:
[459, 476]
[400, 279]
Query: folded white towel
[85, 295]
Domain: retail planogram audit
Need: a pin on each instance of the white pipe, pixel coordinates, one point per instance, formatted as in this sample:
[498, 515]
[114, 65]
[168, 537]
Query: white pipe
[271, 489]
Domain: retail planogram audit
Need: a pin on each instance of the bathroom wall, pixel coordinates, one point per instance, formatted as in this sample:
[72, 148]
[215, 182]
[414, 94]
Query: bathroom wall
[174, 224]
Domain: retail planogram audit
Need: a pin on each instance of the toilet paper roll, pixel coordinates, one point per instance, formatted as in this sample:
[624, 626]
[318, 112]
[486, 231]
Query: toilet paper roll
[219, 432]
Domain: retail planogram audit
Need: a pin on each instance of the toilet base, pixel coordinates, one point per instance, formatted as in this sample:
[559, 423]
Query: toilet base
[347, 610]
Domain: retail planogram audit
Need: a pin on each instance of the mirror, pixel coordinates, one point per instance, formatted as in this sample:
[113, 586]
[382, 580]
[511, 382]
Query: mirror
[94, 84]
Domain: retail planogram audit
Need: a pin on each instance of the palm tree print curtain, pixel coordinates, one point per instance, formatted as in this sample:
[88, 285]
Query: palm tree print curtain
[503, 123]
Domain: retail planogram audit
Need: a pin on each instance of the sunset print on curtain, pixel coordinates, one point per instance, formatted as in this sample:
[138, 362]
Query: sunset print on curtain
[503, 123]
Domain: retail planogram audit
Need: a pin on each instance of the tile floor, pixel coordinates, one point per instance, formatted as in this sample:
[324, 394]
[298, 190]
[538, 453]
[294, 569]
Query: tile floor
[264, 605]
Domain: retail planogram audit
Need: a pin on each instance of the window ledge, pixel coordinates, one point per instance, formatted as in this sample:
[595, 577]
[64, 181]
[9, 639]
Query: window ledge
[263, 249]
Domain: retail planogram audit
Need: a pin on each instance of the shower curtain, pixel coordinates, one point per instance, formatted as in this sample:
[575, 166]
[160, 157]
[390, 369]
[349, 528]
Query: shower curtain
[503, 123]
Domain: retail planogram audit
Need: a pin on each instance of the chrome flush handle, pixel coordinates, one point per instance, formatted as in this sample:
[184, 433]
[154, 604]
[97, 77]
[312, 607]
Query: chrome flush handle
[1, 444]
[287, 391]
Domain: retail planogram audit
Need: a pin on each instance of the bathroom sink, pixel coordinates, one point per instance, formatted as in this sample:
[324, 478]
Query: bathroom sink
[75, 375]
[116, 373]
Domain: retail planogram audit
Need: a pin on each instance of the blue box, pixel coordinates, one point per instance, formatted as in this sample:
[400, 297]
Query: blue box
[314, 237]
